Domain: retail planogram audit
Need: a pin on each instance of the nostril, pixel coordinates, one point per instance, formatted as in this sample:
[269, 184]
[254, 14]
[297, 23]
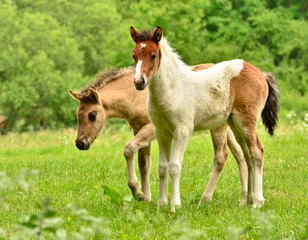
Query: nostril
[83, 143]
[80, 144]
[142, 81]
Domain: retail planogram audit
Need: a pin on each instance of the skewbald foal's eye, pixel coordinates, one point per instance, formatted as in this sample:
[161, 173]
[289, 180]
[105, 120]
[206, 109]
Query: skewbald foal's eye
[92, 116]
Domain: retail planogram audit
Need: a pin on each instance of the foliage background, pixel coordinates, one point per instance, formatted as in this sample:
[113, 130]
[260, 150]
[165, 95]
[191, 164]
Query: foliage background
[48, 47]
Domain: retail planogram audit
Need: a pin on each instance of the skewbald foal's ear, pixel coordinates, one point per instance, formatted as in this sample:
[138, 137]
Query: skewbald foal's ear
[133, 33]
[75, 94]
[157, 35]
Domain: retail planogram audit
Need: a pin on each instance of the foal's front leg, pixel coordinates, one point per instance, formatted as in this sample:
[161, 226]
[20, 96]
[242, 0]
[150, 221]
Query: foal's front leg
[141, 139]
[180, 137]
[144, 162]
[164, 145]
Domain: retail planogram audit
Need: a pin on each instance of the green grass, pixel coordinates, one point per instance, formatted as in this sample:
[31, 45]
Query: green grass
[68, 175]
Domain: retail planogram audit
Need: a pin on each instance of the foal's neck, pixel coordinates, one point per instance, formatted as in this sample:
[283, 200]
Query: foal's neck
[120, 99]
[112, 100]
[168, 77]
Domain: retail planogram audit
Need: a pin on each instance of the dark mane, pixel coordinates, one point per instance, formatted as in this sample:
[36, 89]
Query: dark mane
[143, 36]
[103, 78]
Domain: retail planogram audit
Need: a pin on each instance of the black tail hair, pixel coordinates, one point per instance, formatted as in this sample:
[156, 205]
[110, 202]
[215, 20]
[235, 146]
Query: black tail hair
[271, 109]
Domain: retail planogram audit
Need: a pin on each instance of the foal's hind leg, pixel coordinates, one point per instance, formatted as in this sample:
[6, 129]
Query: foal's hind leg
[219, 136]
[242, 166]
[219, 139]
[247, 129]
[141, 139]
[241, 141]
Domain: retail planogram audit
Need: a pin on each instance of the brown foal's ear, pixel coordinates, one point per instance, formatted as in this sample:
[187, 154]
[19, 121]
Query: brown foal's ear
[94, 94]
[133, 33]
[157, 35]
[75, 94]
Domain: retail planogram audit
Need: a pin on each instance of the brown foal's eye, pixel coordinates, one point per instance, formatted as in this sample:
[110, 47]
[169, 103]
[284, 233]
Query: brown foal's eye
[92, 116]
[153, 56]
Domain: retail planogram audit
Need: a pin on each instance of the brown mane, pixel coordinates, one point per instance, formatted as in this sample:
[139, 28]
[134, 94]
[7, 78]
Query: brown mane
[103, 78]
[143, 36]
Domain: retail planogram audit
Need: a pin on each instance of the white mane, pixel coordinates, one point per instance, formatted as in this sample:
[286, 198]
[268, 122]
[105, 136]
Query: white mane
[170, 54]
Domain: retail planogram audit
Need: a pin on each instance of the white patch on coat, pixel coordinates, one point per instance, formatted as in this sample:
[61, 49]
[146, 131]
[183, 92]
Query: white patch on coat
[196, 99]
[143, 45]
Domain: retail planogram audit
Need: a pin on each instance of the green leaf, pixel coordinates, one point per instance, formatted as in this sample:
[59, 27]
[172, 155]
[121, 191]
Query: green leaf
[128, 198]
[30, 222]
[49, 213]
[50, 229]
[115, 197]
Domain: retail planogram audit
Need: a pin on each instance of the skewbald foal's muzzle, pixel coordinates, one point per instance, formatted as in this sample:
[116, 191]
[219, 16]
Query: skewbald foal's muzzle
[140, 83]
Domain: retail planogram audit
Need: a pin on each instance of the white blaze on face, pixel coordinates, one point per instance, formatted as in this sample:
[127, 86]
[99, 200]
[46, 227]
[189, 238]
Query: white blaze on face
[142, 45]
[138, 70]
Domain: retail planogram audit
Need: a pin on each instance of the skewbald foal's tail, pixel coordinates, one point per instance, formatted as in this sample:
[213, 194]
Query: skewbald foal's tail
[271, 109]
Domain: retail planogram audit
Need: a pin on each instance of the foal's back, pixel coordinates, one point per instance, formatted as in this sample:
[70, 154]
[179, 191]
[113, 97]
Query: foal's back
[202, 100]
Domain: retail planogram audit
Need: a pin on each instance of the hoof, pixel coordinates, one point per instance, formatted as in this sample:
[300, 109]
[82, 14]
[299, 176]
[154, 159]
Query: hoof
[174, 207]
[249, 201]
[139, 196]
[162, 204]
[147, 199]
[243, 202]
[203, 200]
[258, 203]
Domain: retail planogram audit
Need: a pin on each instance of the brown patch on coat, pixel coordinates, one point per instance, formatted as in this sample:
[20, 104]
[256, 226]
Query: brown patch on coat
[201, 67]
[248, 93]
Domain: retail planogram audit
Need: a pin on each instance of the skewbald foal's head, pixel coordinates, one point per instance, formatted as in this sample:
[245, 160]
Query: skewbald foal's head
[147, 55]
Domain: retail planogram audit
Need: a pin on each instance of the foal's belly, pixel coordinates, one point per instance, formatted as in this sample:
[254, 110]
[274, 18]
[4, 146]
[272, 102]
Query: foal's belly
[195, 120]
[210, 114]
[210, 123]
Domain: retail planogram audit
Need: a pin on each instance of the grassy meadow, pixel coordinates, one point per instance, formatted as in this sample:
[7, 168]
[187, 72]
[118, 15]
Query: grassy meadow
[66, 175]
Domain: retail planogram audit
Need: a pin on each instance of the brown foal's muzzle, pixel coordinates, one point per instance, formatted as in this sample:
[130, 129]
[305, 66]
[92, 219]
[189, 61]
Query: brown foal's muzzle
[82, 143]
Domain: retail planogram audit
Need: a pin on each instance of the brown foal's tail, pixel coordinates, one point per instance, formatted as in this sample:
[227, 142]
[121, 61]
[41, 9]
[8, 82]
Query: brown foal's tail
[271, 109]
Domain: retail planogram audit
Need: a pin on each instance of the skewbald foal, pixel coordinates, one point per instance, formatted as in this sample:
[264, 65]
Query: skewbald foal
[181, 101]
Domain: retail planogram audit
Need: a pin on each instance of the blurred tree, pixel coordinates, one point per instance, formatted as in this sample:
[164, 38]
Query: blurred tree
[181, 21]
[48, 47]
[36, 54]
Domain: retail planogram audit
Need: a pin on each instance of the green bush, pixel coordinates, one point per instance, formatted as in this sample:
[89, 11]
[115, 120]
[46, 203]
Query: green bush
[37, 54]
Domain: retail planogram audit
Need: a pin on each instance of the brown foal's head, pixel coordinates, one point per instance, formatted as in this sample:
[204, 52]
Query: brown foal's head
[90, 115]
